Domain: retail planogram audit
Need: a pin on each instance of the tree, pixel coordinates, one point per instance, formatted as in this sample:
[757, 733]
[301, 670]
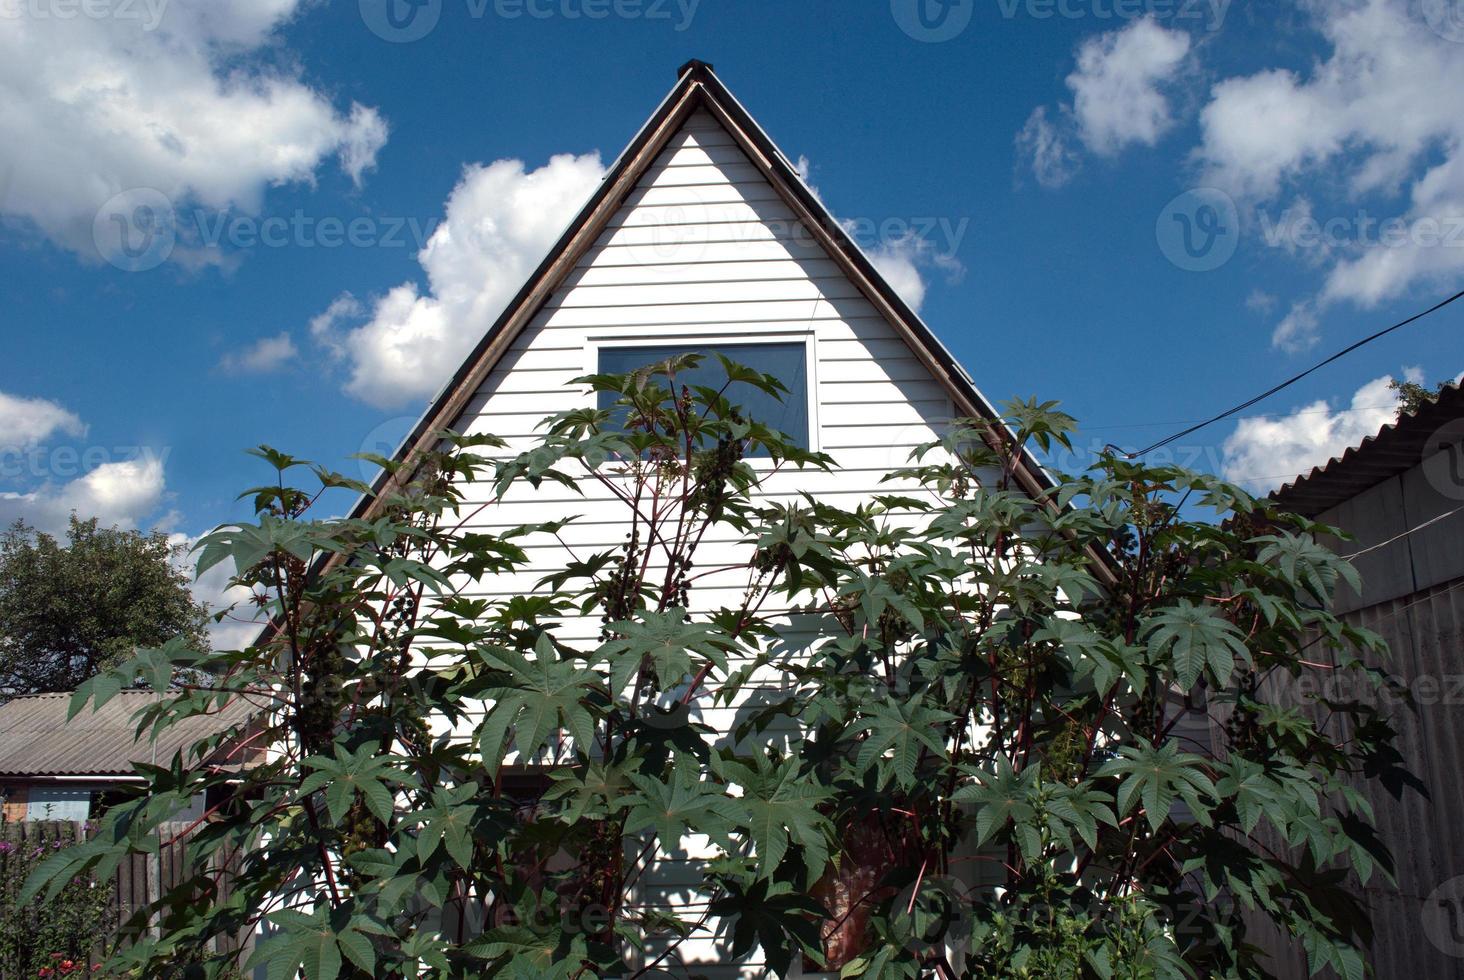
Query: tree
[972, 767]
[1412, 396]
[69, 611]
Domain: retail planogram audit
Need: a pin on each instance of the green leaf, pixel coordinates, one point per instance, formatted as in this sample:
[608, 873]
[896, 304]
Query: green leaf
[539, 697]
[779, 809]
[683, 805]
[1156, 777]
[903, 731]
[1196, 638]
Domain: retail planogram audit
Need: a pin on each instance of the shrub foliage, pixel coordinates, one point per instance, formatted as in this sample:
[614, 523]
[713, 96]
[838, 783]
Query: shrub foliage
[60, 937]
[963, 739]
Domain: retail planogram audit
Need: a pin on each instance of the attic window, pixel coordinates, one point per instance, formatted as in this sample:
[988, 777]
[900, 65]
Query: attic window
[786, 361]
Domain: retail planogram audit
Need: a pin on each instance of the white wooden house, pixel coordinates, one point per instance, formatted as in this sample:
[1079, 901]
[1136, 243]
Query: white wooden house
[704, 236]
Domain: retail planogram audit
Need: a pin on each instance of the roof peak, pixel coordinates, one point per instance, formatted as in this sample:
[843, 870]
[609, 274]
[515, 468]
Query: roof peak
[695, 65]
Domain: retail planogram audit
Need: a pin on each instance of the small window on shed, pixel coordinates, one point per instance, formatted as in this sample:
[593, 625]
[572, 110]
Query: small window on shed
[786, 361]
[59, 803]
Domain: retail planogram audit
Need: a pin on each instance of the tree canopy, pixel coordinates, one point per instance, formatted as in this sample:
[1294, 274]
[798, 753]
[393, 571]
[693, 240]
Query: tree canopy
[71, 609]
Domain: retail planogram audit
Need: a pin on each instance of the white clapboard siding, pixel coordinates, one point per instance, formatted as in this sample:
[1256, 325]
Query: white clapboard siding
[704, 247]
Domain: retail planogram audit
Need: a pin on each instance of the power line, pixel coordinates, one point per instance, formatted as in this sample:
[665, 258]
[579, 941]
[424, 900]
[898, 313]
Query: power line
[1287, 383]
[1243, 418]
[1400, 537]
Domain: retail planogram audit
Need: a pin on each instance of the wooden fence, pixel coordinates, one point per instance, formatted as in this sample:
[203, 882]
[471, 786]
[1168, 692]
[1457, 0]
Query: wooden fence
[140, 879]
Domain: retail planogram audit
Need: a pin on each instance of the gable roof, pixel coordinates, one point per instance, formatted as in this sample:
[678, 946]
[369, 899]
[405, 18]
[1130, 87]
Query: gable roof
[1395, 449]
[37, 740]
[699, 88]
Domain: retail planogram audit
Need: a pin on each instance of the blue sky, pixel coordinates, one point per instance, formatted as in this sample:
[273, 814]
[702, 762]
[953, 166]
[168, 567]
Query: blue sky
[1032, 147]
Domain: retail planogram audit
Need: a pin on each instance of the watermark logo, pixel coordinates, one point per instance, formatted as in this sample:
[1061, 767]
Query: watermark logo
[933, 21]
[935, 912]
[401, 21]
[1445, 18]
[1443, 460]
[136, 230]
[1443, 917]
[384, 441]
[1199, 230]
[69, 462]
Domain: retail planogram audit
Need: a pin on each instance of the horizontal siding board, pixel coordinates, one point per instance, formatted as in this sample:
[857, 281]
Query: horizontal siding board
[684, 173]
[645, 274]
[772, 212]
[706, 293]
[696, 245]
[693, 316]
[694, 153]
[698, 195]
[841, 382]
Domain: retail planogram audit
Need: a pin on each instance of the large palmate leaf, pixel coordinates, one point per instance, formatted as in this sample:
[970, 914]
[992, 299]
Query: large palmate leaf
[667, 641]
[683, 805]
[366, 772]
[318, 944]
[1005, 798]
[902, 731]
[1155, 777]
[1196, 638]
[771, 914]
[780, 809]
[540, 697]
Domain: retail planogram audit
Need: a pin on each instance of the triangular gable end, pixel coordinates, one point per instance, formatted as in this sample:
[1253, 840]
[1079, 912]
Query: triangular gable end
[698, 104]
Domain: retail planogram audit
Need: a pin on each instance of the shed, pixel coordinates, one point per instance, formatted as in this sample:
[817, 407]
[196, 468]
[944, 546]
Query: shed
[55, 769]
[1399, 495]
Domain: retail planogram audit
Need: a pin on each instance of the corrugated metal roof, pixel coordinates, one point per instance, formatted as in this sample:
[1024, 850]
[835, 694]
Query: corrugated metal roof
[37, 740]
[1398, 447]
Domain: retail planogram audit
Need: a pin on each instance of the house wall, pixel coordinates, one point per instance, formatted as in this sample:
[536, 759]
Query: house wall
[704, 249]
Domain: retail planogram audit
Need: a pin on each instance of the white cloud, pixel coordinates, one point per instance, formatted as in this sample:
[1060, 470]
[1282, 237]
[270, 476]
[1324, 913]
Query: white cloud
[1264, 453]
[198, 106]
[897, 265]
[264, 355]
[1260, 301]
[902, 260]
[1121, 97]
[500, 221]
[1371, 120]
[1298, 331]
[325, 327]
[1043, 145]
[1117, 89]
[124, 493]
[27, 421]
[243, 619]
[51, 485]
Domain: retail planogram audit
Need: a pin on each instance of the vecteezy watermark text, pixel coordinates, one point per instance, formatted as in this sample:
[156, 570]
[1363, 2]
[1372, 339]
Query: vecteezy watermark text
[402, 21]
[1200, 230]
[1299, 229]
[1207, 14]
[147, 12]
[932, 21]
[139, 229]
[69, 462]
